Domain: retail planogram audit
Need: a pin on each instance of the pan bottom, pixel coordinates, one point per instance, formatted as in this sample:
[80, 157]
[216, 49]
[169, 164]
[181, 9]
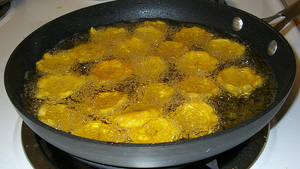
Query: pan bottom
[41, 154]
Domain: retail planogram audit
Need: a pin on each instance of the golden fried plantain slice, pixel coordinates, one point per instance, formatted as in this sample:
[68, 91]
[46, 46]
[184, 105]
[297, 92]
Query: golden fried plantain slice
[87, 52]
[198, 87]
[149, 34]
[150, 68]
[56, 87]
[171, 49]
[55, 64]
[130, 49]
[196, 63]
[112, 70]
[239, 81]
[159, 25]
[225, 49]
[156, 93]
[105, 103]
[156, 131]
[61, 117]
[137, 116]
[196, 119]
[194, 36]
[97, 130]
[108, 36]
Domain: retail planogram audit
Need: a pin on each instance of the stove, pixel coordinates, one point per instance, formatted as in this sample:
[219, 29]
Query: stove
[42, 155]
[279, 148]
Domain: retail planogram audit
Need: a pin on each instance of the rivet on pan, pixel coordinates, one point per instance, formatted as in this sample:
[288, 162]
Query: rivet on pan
[237, 24]
[272, 48]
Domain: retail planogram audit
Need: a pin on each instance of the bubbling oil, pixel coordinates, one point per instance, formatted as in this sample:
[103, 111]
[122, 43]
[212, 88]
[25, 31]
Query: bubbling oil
[137, 73]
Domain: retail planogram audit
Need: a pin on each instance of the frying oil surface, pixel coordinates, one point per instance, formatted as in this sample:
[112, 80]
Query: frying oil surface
[149, 82]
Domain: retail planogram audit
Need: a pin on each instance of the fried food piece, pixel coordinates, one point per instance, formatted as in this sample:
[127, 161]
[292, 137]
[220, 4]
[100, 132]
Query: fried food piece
[149, 34]
[194, 36]
[104, 103]
[137, 117]
[130, 49]
[196, 62]
[55, 64]
[225, 49]
[171, 49]
[239, 81]
[111, 71]
[57, 87]
[150, 68]
[97, 130]
[198, 87]
[108, 36]
[156, 131]
[61, 117]
[196, 119]
[156, 93]
[159, 25]
[87, 52]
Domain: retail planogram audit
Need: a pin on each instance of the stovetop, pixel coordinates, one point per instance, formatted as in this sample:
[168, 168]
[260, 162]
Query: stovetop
[42, 155]
[281, 150]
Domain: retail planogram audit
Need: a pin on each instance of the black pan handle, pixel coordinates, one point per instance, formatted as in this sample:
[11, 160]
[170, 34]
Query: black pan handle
[289, 13]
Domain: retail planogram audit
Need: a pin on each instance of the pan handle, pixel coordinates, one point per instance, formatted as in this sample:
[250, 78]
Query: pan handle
[2, 2]
[289, 13]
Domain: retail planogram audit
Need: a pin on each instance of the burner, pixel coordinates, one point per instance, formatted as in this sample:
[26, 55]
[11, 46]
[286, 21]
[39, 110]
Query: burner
[4, 10]
[41, 154]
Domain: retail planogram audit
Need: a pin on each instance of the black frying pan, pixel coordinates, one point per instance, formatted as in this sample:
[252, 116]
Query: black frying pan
[254, 31]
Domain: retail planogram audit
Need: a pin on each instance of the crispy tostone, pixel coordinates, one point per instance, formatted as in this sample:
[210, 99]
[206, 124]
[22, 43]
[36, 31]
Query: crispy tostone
[239, 81]
[156, 131]
[159, 25]
[225, 49]
[198, 87]
[194, 36]
[111, 71]
[171, 49]
[196, 62]
[108, 36]
[56, 87]
[149, 68]
[55, 63]
[87, 52]
[104, 103]
[149, 34]
[59, 117]
[156, 93]
[137, 117]
[196, 119]
[97, 130]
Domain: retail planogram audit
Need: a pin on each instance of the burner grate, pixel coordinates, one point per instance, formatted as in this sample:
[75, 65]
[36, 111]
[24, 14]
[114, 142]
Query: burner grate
[41, 154]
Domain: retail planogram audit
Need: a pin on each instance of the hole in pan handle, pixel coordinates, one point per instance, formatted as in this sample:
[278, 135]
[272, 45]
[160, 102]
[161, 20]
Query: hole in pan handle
[3, 2]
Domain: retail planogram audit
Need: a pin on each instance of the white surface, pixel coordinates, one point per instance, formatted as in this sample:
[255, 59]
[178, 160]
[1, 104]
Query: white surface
[281, 151]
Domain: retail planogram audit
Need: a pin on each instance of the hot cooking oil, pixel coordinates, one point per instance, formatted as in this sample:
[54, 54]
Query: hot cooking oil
[141, 79]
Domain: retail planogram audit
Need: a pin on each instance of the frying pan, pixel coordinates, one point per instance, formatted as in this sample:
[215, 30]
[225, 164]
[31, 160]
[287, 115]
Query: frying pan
[253, 30]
